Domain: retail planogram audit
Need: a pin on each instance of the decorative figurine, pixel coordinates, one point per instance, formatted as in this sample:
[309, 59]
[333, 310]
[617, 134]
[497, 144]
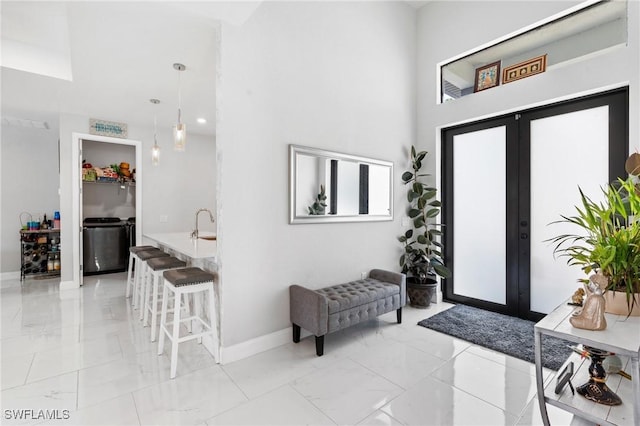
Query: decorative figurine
[600, 280]
[591, 317]
[578, 297]
[595, 389]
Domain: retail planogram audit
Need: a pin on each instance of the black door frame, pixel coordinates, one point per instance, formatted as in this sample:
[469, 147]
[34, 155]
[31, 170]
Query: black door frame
[512, 155]
[518, 170]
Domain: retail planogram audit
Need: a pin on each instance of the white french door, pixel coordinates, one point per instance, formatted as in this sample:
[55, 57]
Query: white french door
[506, 180]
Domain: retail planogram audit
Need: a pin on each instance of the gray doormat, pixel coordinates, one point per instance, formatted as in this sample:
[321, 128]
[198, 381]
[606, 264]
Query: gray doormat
[509, 335]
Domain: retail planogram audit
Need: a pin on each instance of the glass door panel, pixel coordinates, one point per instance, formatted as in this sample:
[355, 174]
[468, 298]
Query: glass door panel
[567, 151]
[479, 214]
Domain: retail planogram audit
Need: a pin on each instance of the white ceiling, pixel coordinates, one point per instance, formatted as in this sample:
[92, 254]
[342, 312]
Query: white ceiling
[107, 59]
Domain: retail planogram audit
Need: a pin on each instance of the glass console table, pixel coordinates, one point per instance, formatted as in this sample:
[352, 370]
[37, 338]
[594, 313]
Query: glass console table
[621, 336]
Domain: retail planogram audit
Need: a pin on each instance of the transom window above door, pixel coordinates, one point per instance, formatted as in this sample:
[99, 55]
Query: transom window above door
[572, 35]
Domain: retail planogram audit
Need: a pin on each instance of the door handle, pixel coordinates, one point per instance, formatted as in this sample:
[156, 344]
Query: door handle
[524, 236]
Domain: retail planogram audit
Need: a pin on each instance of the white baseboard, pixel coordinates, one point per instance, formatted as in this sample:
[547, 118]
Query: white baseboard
[68, 285]
[255, 346]
[10, 275]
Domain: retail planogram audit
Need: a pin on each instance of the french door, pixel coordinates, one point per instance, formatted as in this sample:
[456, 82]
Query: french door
[506, 180]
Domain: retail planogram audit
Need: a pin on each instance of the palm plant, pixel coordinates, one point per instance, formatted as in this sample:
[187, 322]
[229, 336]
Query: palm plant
[610, 238]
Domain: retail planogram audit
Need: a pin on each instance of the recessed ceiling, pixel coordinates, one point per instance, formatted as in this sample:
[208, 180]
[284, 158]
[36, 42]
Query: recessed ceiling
[42, 47]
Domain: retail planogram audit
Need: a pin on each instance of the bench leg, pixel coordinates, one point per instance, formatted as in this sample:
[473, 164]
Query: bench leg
[399, 315]
[296, 333]
[319, 345]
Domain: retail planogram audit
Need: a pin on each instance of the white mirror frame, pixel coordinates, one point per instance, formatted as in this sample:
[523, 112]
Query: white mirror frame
[294, 218]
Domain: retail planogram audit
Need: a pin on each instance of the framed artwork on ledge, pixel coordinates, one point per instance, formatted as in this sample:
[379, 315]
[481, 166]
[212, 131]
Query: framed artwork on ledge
[524, 69]
[487, 77]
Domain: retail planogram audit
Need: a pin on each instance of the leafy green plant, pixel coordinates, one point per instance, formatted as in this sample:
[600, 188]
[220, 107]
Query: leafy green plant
[422, 255]
[319, 205]
[609, 241]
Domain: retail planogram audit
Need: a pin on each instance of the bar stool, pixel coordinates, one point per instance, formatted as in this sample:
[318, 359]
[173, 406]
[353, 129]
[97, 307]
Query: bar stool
[155, 268]
[141, 274]
[132, 259]
[187, 281]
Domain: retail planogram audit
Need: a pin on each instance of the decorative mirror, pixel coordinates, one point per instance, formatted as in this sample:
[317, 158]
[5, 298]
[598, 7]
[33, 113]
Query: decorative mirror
[326, 186]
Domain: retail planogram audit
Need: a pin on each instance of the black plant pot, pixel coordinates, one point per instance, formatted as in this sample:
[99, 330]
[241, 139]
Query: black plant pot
[420, 293]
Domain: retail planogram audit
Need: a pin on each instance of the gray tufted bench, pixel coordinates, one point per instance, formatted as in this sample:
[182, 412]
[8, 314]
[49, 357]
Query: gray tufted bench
[333, 308]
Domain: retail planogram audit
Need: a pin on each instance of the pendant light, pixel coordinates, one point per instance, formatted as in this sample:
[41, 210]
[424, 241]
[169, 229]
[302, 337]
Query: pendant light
[155, 150]
[180, 129]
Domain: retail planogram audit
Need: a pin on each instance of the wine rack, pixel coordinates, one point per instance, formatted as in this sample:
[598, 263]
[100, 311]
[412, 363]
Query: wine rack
[40, 253]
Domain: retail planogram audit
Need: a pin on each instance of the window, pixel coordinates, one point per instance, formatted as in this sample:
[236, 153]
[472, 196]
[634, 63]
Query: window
[575, 35]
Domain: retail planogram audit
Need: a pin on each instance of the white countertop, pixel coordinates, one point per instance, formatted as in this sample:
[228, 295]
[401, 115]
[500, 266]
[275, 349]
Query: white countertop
[183, 243]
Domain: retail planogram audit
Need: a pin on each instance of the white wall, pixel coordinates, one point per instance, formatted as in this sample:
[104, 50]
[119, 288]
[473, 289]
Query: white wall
[176, 188]
[331, 75]
[29, 167]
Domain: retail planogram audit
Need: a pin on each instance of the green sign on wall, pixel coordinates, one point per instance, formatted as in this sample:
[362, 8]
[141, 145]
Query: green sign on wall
[107, 128]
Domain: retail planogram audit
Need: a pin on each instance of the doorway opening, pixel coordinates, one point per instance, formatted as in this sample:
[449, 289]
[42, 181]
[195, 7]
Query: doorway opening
[108, 206]
[103, 197]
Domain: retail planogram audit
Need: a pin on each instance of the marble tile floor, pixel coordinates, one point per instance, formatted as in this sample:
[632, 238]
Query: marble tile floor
[84, 356]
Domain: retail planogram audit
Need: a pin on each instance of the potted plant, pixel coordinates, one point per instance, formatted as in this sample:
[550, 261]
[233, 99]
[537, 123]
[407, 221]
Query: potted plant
[422, 257]
[608, 243]
[319, 205]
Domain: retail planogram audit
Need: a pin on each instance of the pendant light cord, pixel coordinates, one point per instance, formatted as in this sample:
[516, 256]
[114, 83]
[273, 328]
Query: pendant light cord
[179, 98]
[179, 131]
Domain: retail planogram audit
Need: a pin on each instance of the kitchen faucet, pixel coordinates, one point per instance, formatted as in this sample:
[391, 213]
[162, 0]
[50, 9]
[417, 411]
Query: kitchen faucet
[194, 234]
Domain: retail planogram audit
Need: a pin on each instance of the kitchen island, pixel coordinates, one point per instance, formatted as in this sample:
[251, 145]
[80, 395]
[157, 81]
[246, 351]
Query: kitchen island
[199, 252]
